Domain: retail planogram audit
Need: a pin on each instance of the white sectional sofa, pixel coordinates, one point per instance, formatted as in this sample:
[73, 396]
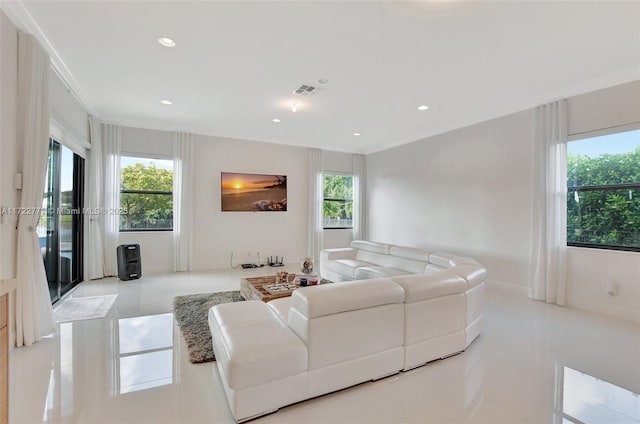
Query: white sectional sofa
[366, 259]
[329, 337]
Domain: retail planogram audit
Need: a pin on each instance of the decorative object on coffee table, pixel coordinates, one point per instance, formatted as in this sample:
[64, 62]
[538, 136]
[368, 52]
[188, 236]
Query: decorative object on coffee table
[254, 288]
[306, 267]
[279, 288]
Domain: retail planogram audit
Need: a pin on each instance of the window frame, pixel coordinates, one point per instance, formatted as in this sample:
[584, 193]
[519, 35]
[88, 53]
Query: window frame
[572, 189]
[324, 199]
[151, 192]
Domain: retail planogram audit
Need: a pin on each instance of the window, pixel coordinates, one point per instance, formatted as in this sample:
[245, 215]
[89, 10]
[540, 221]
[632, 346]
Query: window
[603, 192]
[337, 207]
[146, 196]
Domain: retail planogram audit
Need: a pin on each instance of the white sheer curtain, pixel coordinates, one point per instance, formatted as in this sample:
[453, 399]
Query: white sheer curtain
[95, 247]
[34, 315]
[315, 204]
[111, 146]
[549, 242]
[359, 198]
[182, 201]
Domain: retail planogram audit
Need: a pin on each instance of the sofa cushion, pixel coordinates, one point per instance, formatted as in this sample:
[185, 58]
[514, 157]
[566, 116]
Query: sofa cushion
[372, 258]
[410, 253]
[411, 266]
[281, 307]
[246, 356]
[344, 266]
[373, 271]
[334, 298]
[448, 260]
[371, 246]
[430, 285]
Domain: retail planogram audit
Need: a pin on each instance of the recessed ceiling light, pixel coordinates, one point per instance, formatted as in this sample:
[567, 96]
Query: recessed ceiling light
[166, 102]
[356, 134]
[294, 107]
[323, 81]
[276, 120]
[423, 107]
[166, 41]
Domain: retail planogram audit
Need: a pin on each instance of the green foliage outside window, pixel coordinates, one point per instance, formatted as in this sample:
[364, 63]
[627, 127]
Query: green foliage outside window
[146, 195]
[337, 208]
[603, 199]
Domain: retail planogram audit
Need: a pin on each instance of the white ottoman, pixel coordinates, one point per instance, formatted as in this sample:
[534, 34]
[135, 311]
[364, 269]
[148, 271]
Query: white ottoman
[262, 363]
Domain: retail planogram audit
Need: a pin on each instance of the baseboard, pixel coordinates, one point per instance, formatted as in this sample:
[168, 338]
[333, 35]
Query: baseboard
[628, 315]
[508, 287]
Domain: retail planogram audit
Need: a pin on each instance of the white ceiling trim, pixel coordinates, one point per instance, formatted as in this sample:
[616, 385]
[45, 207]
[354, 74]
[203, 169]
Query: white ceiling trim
[19, 14]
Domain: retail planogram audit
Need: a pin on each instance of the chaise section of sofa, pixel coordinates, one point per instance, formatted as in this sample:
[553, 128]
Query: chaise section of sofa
[261, 362]
[334, 336]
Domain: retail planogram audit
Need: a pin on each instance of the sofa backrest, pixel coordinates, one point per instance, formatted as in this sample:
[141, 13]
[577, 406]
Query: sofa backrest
[410, 253]
[415, 261]
[369, 251]
[409, 265]
[466, 268]
[349, 320]
[408, 259]
[371, 257]
[370, 246]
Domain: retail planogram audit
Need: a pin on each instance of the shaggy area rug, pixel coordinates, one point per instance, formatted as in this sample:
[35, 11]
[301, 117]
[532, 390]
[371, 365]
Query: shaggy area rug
[191, 314]
[81, 308]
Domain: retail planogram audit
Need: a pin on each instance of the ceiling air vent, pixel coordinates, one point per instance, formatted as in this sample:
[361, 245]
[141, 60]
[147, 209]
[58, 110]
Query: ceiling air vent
[305, 90]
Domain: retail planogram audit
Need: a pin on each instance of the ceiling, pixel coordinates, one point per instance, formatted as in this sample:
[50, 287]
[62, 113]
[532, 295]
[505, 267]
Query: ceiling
[236, 63]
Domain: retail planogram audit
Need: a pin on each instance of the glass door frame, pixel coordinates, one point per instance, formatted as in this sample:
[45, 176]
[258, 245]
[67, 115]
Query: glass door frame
[61, 278]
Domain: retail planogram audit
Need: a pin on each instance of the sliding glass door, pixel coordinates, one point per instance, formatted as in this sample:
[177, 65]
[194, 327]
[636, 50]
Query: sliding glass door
[60, 227]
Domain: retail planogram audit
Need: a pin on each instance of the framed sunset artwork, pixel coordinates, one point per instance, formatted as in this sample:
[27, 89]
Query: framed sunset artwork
[253, 192]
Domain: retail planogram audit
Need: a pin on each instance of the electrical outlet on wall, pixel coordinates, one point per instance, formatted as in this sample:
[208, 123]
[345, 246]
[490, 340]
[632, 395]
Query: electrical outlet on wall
[610, 288]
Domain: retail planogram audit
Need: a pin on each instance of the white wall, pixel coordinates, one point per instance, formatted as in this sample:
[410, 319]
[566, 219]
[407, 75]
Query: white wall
[615, 106]
[469, 191]
[152, 143]
[217, 233]
[156, 249]
[9, 148]
[588, 270]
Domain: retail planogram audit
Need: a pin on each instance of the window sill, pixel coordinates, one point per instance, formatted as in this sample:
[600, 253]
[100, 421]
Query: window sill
[604, 247]
[150, 230]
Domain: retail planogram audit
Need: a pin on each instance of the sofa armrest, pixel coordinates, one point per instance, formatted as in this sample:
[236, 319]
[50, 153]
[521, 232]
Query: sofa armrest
[338, 253]
[474, 274]
[328, 299]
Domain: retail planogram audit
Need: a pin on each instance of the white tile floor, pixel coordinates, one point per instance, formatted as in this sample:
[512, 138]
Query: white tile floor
[534, 363]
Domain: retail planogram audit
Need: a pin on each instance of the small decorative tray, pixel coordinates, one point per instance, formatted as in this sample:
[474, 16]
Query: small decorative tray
[279, 288]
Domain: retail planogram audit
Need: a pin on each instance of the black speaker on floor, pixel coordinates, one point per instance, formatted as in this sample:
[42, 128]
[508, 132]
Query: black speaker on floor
[129, 265]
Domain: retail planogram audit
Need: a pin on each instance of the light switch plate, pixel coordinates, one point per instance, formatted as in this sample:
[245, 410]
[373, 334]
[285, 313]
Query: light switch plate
[17, 181]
